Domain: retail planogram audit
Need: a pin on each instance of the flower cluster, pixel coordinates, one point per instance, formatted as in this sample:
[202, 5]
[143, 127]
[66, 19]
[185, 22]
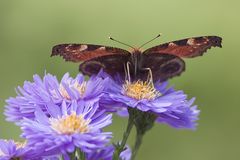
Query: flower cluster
[66, 119]
[40, 93]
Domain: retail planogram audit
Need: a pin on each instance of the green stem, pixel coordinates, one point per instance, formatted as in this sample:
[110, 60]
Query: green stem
[137, 145]
[143, 122]
[80, 154]
[120, 148]
[61, 157]
[72, 155]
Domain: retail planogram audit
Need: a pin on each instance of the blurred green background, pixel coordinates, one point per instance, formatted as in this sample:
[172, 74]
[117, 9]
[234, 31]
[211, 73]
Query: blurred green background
[28, 30]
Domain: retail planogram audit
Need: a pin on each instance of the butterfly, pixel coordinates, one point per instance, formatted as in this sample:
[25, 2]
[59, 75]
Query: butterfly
[164, 61]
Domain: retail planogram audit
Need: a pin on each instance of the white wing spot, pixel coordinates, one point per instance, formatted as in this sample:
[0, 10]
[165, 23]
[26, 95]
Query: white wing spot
[102, 48]
[171, 44]
[191, 41]
[83, 47]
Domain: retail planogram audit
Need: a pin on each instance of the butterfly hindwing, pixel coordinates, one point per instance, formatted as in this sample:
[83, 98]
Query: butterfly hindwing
[163, 66]
[84, 52]
[111, 64]
[187, 48]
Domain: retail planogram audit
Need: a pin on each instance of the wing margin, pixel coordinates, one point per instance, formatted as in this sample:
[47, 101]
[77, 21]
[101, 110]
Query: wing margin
[187, 48]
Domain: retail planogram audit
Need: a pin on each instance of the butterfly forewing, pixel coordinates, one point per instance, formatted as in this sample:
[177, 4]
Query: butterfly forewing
[187, 48]
[84, 52]
[94, 57]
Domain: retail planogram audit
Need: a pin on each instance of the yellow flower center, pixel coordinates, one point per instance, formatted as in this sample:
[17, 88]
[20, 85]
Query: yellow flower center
[79, 87]
[70, 124]
[140, 90]
[21, 144]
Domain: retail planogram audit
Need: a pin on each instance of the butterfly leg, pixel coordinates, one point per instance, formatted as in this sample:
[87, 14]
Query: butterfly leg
[127, 71]
[149, 76]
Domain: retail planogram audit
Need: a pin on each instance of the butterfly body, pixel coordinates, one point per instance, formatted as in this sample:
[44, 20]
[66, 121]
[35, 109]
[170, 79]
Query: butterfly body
[165, 60]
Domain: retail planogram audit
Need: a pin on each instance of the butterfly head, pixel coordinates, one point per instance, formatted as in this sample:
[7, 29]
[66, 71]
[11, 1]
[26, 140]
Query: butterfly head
[135, 51]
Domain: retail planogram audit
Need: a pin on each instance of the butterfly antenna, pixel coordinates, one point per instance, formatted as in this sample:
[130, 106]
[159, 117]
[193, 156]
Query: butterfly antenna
[150, 41]
[121, 42]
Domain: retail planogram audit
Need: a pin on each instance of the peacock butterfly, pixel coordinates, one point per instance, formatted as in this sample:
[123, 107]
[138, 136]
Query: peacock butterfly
[164, 60]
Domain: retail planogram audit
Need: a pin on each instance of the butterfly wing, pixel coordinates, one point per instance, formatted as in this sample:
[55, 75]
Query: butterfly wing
[187, 48]
[84, 52]
[111, 64]
[163, 66]
[94, 57]
[165, 59]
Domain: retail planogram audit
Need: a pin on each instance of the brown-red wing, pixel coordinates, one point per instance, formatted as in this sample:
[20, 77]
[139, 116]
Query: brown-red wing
[84, 52]
[111, 64]
[163, 66]
[187, 48]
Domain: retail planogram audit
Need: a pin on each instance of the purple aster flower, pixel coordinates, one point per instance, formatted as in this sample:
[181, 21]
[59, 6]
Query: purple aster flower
[67, 128]
[10, 150]
[40, 92]
[54, 157]
[107, 153]
[166, 104]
